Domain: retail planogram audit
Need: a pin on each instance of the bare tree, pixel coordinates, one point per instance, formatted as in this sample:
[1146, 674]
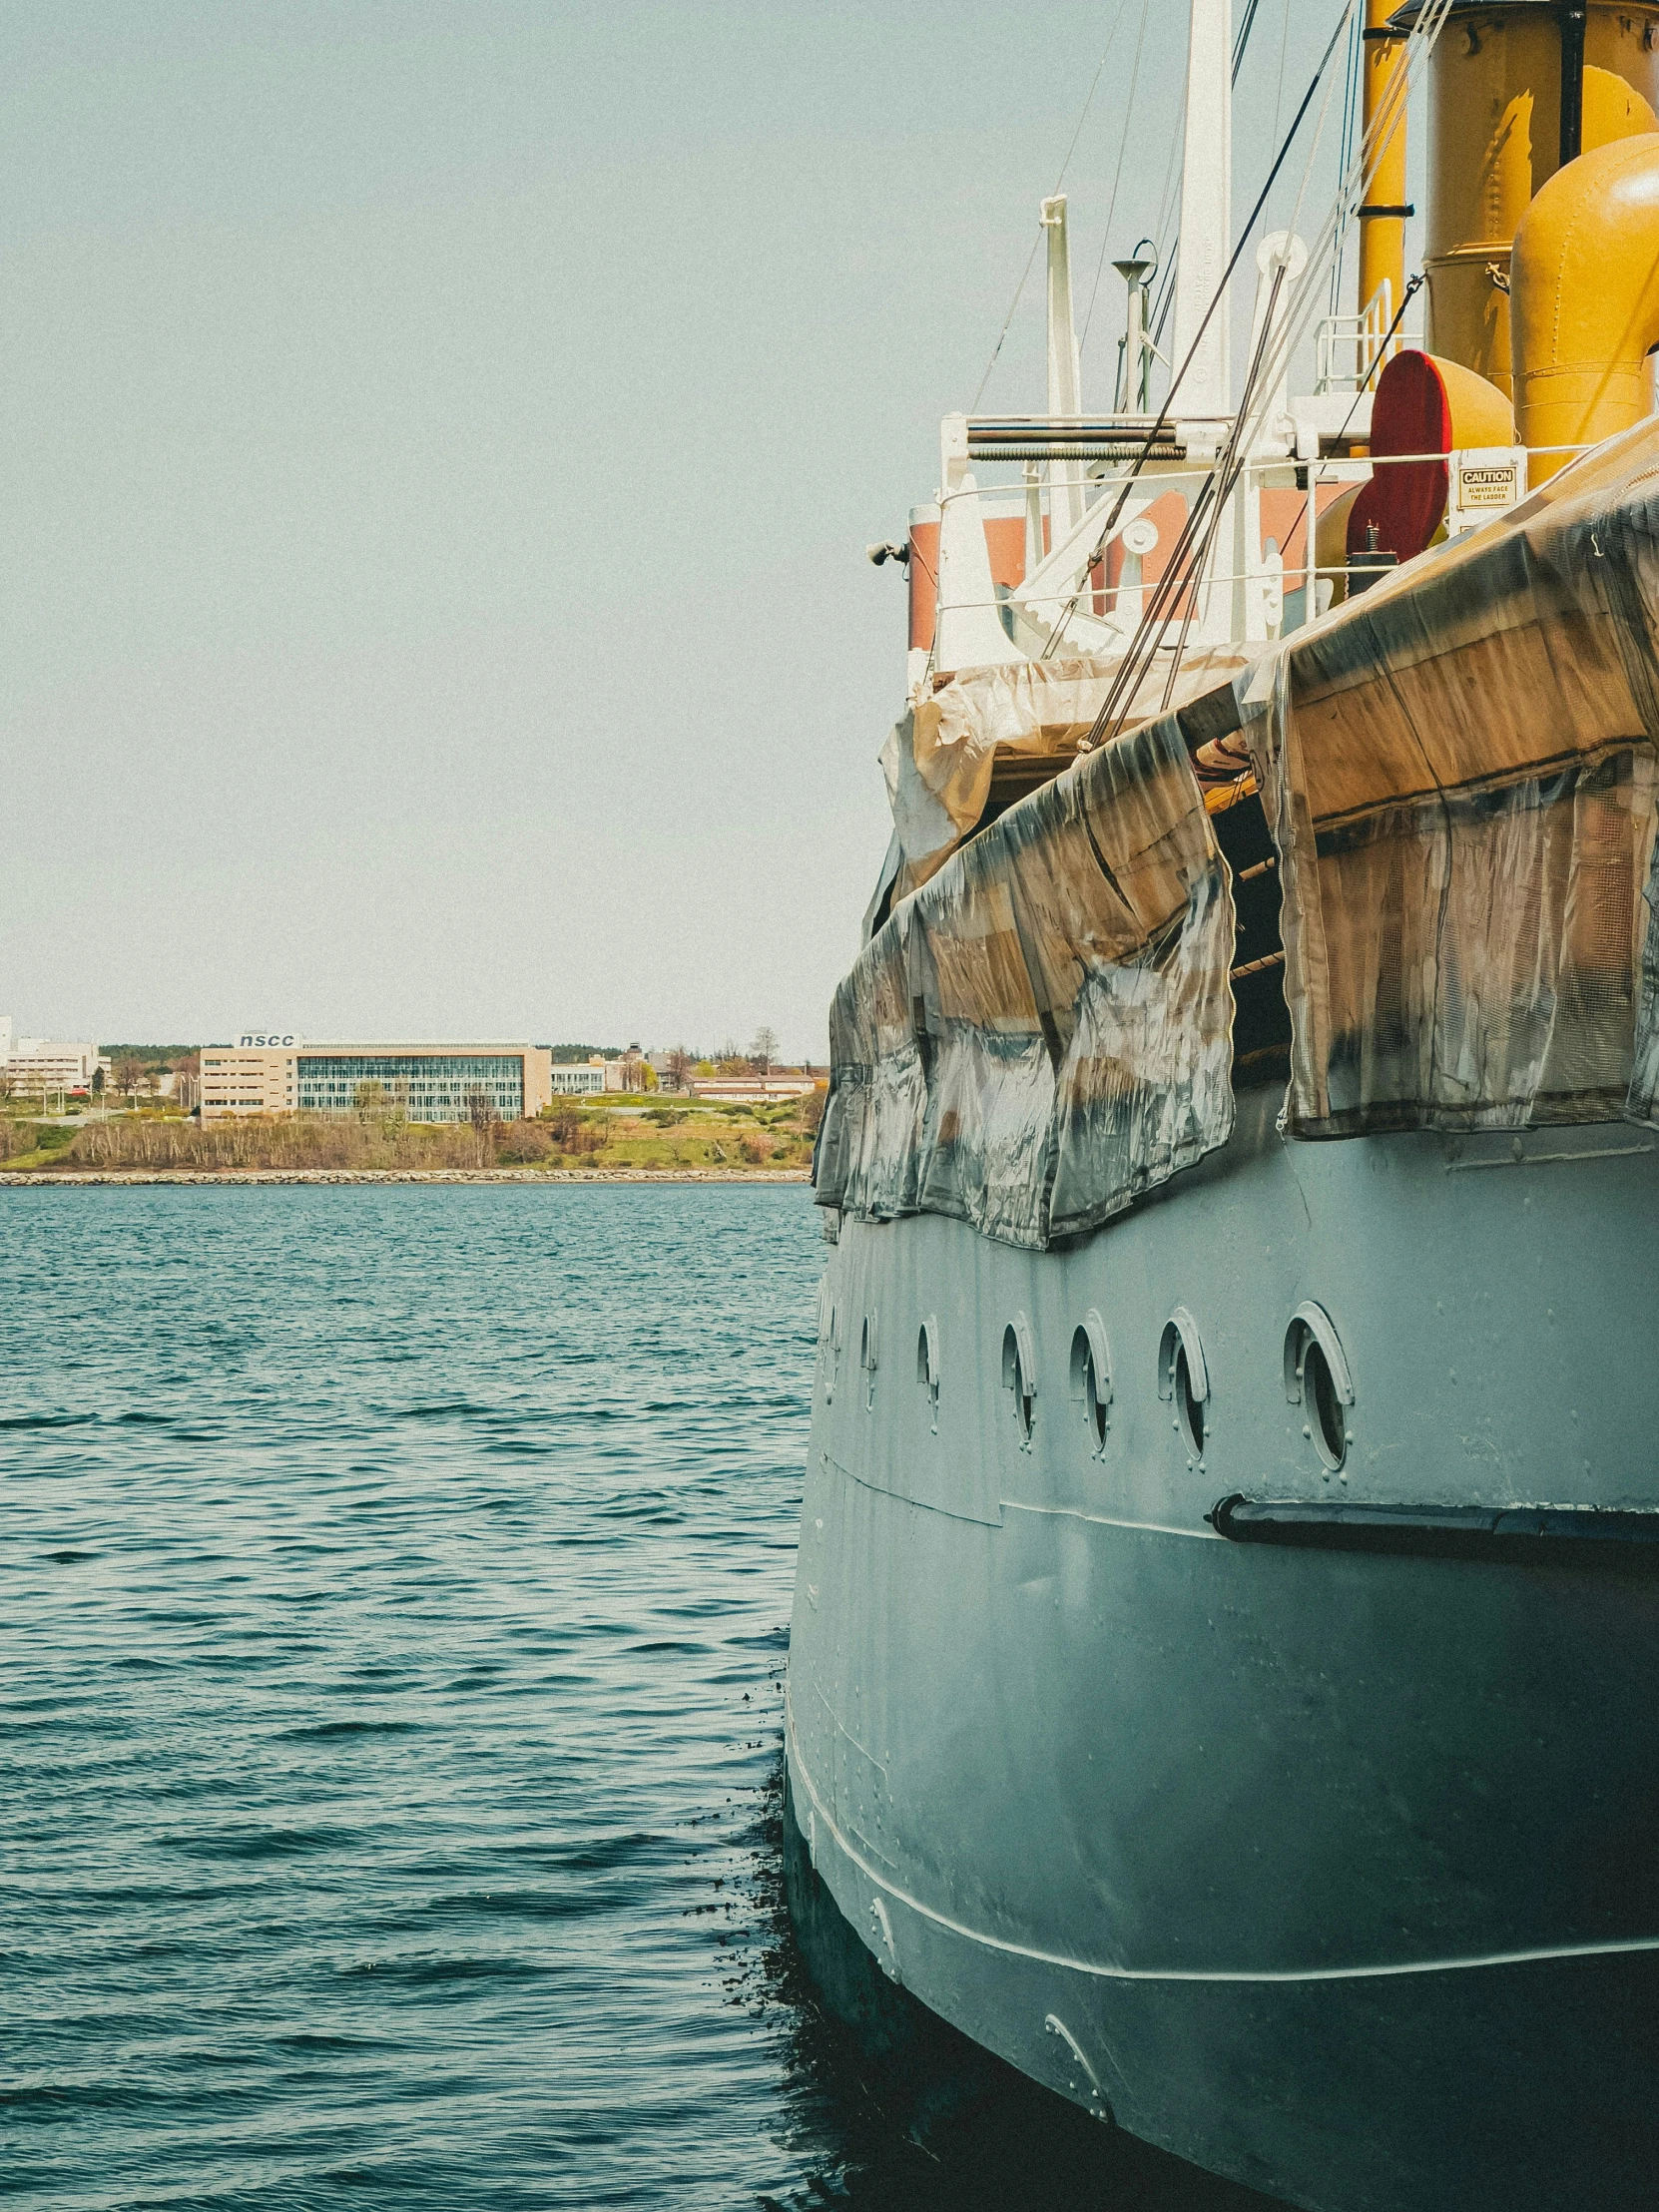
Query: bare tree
[763, 1051]
[486, 1122]
[128, 1073]
[679, 1064]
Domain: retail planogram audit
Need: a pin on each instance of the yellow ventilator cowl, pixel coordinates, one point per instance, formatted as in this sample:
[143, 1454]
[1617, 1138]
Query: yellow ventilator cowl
[1584, 302]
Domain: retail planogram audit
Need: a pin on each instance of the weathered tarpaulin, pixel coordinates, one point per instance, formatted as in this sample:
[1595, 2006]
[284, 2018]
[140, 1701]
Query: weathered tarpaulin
[938, 760]
[1460, 771]
[1043, 1031]
[1462, 774]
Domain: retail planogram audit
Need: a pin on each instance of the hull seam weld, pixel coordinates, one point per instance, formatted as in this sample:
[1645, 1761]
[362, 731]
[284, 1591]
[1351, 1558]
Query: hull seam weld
[1533, 1957]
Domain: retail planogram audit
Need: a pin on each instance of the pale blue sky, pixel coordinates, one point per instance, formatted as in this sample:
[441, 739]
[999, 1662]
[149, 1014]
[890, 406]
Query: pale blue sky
[437, 445]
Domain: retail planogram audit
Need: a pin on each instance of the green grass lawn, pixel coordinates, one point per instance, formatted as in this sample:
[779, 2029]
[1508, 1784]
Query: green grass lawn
[656, 1136]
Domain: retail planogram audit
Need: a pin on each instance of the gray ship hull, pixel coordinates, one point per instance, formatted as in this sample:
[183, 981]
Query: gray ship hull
[1329, 1871]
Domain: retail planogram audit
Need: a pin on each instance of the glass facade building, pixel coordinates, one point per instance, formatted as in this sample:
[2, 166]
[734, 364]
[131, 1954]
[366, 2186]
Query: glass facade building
[421, 1086]
[267, 1074]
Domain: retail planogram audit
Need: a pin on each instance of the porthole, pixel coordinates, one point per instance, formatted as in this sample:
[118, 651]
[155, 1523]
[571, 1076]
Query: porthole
[1189, 1406]
[1317, 1380]
[1183, 1380]
[867, 1358]
[1091, 1377]
[832, 1353]
[1318, 1391]
[1019, 1373]
[927, 1366]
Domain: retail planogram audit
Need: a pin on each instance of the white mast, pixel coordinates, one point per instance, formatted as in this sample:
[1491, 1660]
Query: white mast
[1205, 212]
[1065, 488]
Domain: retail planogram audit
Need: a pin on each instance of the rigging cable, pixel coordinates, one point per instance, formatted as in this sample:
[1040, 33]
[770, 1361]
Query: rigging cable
[1166, 290]
[1167, 213]
[1413, 285]
[1243, 39]
[1279, 87]
[1155, 428]
[1350, 112]
[1184, 572]
[1014, 305]
[1234, 460]
[1117, 174]
[1221, 485]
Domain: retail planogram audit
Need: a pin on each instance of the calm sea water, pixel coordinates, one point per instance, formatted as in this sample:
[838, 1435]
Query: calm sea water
[395, 1605]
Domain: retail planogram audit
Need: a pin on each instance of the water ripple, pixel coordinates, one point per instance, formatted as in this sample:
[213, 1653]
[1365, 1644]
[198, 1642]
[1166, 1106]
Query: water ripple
[394, 1585]
[433, 1685]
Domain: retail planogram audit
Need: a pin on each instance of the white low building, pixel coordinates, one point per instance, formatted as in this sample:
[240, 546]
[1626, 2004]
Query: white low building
[36, 1067]
[754, 1090]
[586, 1078]
[581, 1079]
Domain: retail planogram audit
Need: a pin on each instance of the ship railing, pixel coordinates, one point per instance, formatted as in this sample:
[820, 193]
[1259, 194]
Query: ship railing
[1328, 468]
[1348, 347]
[1265, 572]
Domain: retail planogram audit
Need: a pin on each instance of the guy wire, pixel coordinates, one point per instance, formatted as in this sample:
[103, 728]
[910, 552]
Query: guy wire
[1019, 289]
[1423, 39]
[1216, 299]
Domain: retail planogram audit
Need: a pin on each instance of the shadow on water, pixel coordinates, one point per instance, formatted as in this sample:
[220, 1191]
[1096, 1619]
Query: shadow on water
[906, 2114]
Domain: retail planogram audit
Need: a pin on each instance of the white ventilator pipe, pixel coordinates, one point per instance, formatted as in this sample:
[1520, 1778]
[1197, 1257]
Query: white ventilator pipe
[1065, 482]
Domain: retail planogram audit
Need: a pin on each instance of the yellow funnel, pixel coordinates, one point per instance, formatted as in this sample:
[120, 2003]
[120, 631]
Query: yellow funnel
[1584, 302]
[1494, 130]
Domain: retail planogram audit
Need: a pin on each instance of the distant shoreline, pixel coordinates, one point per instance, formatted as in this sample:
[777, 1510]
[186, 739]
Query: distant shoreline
[104, 1178]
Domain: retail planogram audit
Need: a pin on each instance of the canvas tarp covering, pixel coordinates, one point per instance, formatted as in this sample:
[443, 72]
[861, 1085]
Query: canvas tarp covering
[1043, 1031]
[937, 760]
[1459, 771]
